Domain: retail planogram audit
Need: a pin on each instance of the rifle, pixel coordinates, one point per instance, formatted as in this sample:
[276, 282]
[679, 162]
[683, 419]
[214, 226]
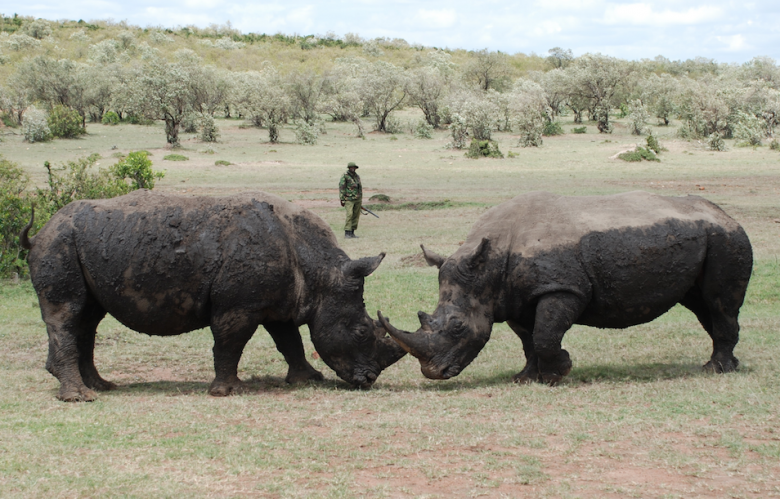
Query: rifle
[369, 211]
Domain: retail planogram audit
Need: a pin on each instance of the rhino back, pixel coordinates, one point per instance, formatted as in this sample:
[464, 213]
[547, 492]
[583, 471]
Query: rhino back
[161, 264]
[632, 255]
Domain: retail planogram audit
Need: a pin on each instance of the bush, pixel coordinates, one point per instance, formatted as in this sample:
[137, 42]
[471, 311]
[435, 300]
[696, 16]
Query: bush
[305, 133]
[716, 142]
[393, 125]
[582, 129]
[222, 162]
[638, 155]
[552, 128]
[65, 122]
[175, 157]
[652, 144]
[76, 180]
[35, 127]
[208, 128]
[774, 145]
[15, 206]
[638, 117]
[423, 130]
[750, 130]
[459, 131]
[134, 119]
[138, 168]
[512, 154]
[110, 118]
[483, 149]
[189, 123]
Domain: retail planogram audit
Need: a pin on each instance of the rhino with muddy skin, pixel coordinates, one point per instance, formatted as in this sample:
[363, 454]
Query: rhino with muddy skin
[165, 265]
[543, 262]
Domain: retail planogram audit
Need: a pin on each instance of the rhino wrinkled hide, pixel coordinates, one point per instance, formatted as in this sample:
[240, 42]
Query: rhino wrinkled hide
[166, 265]
[543, 262]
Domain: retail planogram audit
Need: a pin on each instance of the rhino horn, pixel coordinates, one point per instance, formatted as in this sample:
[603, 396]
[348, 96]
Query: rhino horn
[432, 258]
[418, 344]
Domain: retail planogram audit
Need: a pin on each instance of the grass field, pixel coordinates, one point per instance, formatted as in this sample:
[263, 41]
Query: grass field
[635, 418]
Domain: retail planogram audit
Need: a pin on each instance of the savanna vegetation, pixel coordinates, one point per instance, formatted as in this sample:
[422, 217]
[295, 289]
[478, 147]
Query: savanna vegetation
[635, 418]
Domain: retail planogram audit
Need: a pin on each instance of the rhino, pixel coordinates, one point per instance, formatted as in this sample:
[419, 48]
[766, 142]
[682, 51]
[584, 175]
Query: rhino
[542, 262]
[165, 265]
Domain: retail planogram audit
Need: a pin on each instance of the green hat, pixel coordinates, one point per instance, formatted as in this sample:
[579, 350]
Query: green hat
[351, 164]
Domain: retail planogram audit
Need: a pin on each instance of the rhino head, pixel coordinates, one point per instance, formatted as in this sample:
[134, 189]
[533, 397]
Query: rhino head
[346, 338]
[449, 339]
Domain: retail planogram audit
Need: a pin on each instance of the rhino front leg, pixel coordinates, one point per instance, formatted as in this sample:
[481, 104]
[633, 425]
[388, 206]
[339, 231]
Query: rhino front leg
[555, 314]
[288, 341]
[530, 372]
[231, 333]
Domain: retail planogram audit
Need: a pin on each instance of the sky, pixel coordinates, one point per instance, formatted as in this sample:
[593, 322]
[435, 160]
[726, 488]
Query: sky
[723, 30]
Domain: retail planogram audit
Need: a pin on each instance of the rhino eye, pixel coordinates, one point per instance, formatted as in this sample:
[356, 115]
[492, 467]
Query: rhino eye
[457, 329]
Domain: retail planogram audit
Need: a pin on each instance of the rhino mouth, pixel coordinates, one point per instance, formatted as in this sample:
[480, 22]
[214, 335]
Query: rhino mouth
[433, 371]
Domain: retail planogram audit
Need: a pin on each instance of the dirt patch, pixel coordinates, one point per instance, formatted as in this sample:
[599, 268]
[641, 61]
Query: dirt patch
[415, 260]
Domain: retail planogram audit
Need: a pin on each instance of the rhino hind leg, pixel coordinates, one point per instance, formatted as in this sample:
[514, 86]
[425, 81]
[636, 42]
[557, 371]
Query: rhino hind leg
[86, 346]
[555, 314]
[722, 327]
[288, 341]
[63, 327]
[529, 373]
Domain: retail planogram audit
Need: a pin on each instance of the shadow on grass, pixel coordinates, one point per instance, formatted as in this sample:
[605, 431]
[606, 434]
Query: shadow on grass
[258, 385]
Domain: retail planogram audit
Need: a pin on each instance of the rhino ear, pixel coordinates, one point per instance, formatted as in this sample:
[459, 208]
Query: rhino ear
[432, 258]
[479, 255]
[362, 267]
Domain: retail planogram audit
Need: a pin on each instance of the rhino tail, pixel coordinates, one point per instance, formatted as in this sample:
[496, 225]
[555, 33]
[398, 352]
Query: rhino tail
[23, 239]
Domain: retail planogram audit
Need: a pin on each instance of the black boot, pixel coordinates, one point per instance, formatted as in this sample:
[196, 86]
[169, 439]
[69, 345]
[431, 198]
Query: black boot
[354, 236]
[348, 234]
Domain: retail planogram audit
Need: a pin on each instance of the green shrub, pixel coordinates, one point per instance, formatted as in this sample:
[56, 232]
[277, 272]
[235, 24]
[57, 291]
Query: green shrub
[175, 157]
[189, 123]
[638, 155]
[209, 132]
[305, 133]
[552, 128]
[8, 120]
[652, 144]
[15, 206]
[65, 122]
[110, 118]
[222, 162]
[483, 149]
[137, 120]
[137, 167]
[716, 142]
[774, 145]
[582, 129]
[423, 130]
[511, 154]
[394, 125]
[35, 127]
[77, 180]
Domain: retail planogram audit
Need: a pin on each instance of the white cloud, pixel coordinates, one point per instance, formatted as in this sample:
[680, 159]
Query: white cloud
[644, 14]
[733, 43]
[436, 18]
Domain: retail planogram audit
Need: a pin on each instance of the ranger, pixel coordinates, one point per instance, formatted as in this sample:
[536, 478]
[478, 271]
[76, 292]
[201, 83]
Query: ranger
[351, 197]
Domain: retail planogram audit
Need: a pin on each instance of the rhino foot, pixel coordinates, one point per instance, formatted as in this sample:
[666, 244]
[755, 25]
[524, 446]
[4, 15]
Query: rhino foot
[303, 375]
[225, 388]
[718, 365]
[77, 394]
[552, 372]
[99, 384]
[527, 376]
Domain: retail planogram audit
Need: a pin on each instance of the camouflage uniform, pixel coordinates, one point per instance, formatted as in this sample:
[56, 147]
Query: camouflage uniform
[351, 196]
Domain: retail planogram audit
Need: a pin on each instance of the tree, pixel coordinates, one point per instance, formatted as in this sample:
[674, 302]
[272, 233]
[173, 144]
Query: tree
[260, 96]
[426, 88]
[488, 70]
[382, 88]
[559, 58]
[598, 78]
[342, 99]
[556, 90]
[305, 89]
[166, 91]
[529, 111]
